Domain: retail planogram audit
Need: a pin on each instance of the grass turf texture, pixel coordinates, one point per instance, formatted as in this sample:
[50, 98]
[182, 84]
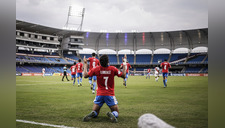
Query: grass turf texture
[184, 103]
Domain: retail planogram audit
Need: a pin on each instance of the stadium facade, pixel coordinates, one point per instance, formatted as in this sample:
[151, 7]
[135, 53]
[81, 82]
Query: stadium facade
[40, 46]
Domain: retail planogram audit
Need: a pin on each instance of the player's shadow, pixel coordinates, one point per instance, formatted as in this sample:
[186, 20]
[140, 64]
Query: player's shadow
[100, 119]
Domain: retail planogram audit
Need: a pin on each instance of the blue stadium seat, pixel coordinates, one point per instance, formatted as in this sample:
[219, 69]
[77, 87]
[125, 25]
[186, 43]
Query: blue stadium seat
[177, 56]
[196, 59]
[160, 57]
[192, 69]
[143, 58]
[71, 56]
[130, 58]
[112, 59]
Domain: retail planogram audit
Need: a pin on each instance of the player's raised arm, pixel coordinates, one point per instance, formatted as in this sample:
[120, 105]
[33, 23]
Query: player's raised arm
[85, 68]
[121, 66]
[124, 70]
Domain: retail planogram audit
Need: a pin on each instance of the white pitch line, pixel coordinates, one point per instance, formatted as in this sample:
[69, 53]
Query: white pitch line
[43, 124]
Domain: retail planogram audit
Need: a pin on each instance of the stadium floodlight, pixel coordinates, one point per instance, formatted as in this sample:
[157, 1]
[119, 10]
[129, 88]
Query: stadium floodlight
[75, 11]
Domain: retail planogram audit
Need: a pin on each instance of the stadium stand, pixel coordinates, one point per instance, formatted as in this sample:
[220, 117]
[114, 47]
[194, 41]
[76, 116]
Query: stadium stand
[130, 58]
[32, 55]
[112, 59]
[192, 70]
[159, 57]
[196, 59]
[71, 56]
[177, 56]
[205, 70]
[206, 60]
[143, 58]
[86, 55]
[21, 69]
[140, 69]
[38, 69]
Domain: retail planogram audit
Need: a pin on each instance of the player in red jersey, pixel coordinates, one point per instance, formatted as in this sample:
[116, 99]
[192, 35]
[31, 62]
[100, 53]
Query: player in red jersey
[127, 67]
[148, 74]
[73, 72]
[105, 92]
[165, 66]
[94, 62]
[79, 68]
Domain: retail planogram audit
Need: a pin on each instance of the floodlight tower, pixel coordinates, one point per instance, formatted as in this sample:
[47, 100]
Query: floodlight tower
[75, 12]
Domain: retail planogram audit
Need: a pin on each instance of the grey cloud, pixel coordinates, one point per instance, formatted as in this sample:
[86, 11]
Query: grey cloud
[143, 15]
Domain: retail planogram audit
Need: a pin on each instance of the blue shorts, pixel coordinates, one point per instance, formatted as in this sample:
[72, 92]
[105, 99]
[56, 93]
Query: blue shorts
[165, 75]
[79, 75]
[73, 76]
[126, 75]
[94, 78]
[109, 100]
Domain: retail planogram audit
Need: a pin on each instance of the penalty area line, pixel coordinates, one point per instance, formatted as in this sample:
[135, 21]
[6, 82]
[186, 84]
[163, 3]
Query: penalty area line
[43, 124]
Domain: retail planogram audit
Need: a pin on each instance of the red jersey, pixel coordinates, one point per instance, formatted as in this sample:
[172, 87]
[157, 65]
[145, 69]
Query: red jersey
[73, 70]
[149, 70]
[105, 79]
[165, 66]
[79, 67]
[94, 62]
[127, 67]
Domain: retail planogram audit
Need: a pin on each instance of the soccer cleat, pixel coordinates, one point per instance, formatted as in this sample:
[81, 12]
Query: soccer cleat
[112, 117]
[93, 92]
[89, 116]
[80, 84]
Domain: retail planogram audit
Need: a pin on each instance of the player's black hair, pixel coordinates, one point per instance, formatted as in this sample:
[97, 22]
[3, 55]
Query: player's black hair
[79, 60]
[104, 60]
[93, 54]
[74, 63]
[165, 59]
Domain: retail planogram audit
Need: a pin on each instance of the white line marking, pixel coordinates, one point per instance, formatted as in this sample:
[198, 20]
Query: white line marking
[43, 124]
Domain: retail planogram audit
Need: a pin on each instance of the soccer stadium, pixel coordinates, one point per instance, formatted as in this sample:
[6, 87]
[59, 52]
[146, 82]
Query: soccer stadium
[44, 100]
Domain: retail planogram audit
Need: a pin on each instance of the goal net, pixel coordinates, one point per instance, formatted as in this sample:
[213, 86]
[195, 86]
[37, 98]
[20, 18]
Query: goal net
[151, 72]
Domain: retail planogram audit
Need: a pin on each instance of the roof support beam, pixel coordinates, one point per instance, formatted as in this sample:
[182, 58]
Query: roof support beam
[97, 42]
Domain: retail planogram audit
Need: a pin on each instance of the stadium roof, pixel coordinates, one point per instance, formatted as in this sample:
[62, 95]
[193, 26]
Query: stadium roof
[30, 27]
[147, 40]
[133, 41]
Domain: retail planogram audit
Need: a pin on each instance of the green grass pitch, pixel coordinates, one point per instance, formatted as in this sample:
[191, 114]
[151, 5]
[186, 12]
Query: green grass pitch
[183, 104]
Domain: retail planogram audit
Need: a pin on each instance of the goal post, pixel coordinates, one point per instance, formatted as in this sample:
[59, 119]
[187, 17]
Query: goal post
[152, 72]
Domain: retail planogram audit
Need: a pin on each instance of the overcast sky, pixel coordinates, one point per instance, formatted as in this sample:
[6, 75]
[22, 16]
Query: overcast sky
[112, 15]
